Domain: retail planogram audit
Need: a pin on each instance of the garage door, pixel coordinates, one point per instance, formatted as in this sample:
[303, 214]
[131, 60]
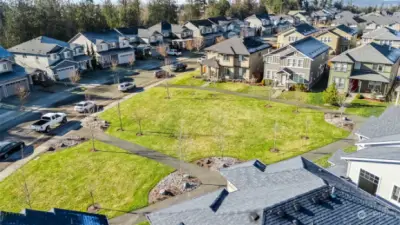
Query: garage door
[12, 88]
[124, 58]
[65, 73]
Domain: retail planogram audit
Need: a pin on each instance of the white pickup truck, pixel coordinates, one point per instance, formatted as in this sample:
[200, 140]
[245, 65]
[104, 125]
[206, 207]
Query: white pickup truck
[48, 121]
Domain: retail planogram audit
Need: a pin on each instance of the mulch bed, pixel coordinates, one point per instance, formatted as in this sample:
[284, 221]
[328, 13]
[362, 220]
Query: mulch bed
[216, 163]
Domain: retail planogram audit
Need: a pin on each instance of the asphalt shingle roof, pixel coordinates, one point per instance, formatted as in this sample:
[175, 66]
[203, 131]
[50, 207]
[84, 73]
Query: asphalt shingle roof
[310, 47]
[237, 45]
[40, 46]
[163, 25]
[274, 189]
[17, 72]
[204, 23]
[388, 123]
[55, 216]
[368, 75]
[100, 36]
[374, 53]
[217, 19]
[346, 29]
[305, 29]
[376, 153]
[383, 33]
[128, 30]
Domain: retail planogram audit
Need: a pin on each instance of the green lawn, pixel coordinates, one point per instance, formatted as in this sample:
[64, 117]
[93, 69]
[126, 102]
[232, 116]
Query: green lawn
[366, 108]
[323, 161]
[244, 126]
[64, 179]
[187, 79]
[242, 88]
[144, 223]
[312, 98]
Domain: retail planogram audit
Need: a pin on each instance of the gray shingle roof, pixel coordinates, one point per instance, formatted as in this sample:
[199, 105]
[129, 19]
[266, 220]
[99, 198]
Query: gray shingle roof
[212, 62]
[236, 45]
[395, 138]
[310, 47]
[305, 29]
[376, 153]
[275, 188]
[386, 124]
[342, 58]
[368, 75]
[17, 72]
[163, 25]
[100, 36]
[346, 29]
[373, 53]
[54, 216]
[383, 33]
[40, 46]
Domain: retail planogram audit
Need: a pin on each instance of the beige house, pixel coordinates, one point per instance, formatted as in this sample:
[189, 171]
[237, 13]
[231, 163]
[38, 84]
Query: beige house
[294, 34]
[339, 38]
[235, 59]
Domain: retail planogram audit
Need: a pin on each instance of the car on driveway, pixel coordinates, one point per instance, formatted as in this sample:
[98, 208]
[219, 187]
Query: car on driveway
[126, 86]
[48, 121]
[174, 52]
[9, 147]
[85, 106]
[178, 67]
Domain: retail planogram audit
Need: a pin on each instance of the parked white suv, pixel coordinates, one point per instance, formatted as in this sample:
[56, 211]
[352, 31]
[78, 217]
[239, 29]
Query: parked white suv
[85, 106]
[48, 121]
[174, 52]
[126, 86]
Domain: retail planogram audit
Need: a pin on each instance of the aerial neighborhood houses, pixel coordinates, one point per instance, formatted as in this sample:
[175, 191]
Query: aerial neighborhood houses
[295, 33]
[383, 36]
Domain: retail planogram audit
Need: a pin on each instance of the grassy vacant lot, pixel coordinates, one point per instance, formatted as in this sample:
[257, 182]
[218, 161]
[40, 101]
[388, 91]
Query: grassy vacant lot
[367, 108]
[64, 179]
[312, 98]
[187, 79]
[323, 161]
[243, 126]
[242, 88]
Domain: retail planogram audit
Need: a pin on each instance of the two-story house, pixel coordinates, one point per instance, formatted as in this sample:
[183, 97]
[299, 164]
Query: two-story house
[131, 34]
[222, 23]
[300, 62]
[109, 47]
[181, 35]
[261, 22]
[296, 33]
[164, 28]
[150, 37]
[349, 19]
[12, 76]
[204, 30]
[282, 22]
[339, 38]
[235, 59]
[374, 166]
[56, 59]
[383, 36]
[239, 28]
[370, 68]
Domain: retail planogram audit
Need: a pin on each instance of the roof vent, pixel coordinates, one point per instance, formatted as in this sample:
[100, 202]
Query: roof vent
[254, 216]
[333, 192]
[218, 201]
[325, 196]
[296, 207]
[259, 165]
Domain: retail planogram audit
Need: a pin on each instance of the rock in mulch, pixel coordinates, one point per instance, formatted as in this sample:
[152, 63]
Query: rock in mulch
[66, 143]
[174, 184]
[338, 121]
[93, 122]
[216, 163]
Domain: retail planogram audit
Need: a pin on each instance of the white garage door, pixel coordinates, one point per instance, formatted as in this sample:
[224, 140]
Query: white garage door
[124, 58]
[65, 73]
[12, 88]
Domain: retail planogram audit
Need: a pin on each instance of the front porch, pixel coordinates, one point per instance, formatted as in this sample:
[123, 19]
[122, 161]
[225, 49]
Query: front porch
[286, 79]
[368, 83]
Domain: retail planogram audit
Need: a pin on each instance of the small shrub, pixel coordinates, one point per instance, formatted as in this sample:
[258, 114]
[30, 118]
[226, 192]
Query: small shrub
[267, 82]
[330, 95]
[300, 87]
[359, 96]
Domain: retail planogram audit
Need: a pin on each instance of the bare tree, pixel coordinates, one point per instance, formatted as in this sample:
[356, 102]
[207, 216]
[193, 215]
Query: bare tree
[27, 193]
[189, 45]
[162, 50]
[275, 136]
[139, 115]
[114, 68]
[341, 101]
[131, 61]
[219, 39]
[23, 94]
[75, 77]
[198, 43]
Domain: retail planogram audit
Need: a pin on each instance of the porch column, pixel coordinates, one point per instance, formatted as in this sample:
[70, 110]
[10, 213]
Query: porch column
[201, 69]
[359, 86]
[397, 98]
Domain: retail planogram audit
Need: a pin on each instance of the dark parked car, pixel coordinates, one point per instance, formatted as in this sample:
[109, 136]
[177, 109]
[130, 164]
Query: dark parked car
[9, 147]
[178, 67]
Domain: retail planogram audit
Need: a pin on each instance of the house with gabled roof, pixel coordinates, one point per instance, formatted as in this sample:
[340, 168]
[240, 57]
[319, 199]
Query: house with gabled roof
[296, 33]
[260, 21]
[370, 68]
[300, 62]
[349, 19]
[56, 59]
[107, 46]
[181, 35]
[204, 30]
[339, 38]
[12, 75]
[383, 36]
[234, 59]
[293, 191]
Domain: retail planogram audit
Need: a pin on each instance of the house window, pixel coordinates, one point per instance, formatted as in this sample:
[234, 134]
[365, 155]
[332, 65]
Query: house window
[368, 182]
[298, 78]
[243, 71]
[226, 58]
[378, 67]
[341, 67]
[291, 62]
[339, 82]
[269, 59]
[4, 66]
[268, 75]
[242, 58]
[227, 71]
[396, 193]
[300, 63]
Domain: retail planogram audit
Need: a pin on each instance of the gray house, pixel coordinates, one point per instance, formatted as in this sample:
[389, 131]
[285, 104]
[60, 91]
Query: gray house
[300, 62]
[383, 36]
[293, 191]
[180, 36]
[57, 59]
[204, 30]
[12, 76]
[260, 21]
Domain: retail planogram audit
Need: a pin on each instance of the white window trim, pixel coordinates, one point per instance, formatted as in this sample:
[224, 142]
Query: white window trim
[391, 194]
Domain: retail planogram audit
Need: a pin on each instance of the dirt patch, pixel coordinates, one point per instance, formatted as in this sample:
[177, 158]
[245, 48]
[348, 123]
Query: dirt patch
[338, 121]
[174, 184]
[274, 150]
[216, 163]
[93, 122]
[66, 143]
[93, 208]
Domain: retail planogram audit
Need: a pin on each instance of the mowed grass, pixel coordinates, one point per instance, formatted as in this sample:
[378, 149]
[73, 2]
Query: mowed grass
[366, 108]
[208, 120]
[64, 179]
[188, 79]
[243, 88]
[312, 98]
